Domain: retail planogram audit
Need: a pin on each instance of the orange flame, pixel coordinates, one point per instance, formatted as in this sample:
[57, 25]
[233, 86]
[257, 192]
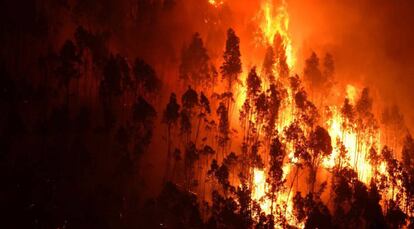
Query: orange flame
[275, 20]
[215, 3]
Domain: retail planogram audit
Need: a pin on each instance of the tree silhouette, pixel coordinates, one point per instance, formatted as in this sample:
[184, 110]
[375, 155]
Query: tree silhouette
[190, 157]
[68, 67]
[320, 145]
[189, 100]
[204, 111]
[347, 111]
[268, 64]
[143, 115]
[312, 72]
[232, 65]
[275, 173]
[328, 70]
[281, 58]
[170, 117]
[194, 67]
[223, 127]
[253, 84]
[146, 80]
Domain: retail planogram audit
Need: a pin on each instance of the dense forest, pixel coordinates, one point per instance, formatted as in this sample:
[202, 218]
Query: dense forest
[138, 118]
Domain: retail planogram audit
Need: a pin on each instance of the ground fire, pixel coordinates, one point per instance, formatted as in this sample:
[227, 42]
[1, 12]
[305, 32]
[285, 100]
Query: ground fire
[201, 114]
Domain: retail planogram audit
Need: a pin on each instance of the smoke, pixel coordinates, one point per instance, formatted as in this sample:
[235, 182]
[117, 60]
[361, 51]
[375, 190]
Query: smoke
[371, 42]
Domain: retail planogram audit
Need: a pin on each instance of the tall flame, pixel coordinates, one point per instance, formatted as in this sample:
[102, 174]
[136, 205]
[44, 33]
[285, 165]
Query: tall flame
[275, 20]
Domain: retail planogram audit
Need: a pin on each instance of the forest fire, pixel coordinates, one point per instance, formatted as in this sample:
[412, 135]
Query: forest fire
[274, 20]
[202, 114]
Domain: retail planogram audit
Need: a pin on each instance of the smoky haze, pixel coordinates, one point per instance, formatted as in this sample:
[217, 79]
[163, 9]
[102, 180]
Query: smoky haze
[372, 43]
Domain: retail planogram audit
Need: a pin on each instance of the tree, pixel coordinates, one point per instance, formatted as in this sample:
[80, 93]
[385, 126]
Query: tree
[223, 127]
[190, 157]
[194, 67]
[281, 58]
[312, 73]
[320, 144]
[275, 173]
[253, 84]
[204, 111]
[347, 111]
[170, 117]
[143, 115]
[268, 64]
[232, 65]
[328, 69]
[363, 108]
[110, 88]
[68, 68]
[189, 100]
[111, 82]
[96, 43]
[146, 80]
[311, 209]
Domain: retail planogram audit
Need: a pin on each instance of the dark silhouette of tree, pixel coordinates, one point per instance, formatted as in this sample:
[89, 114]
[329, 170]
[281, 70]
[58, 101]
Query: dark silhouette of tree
[146, 79]
[353, 204]
[110, 89]
[143, 116]
[189, 100]
[244, 197]
[275, 173]
[224, 213]
[205, 110]
[96, 43]
[365, 118]
[185, 125]
[194, 67]
[348, 112]
[268, 65]
[170, 117]
[111, 83]
[328, 72]
[232, 65]
[312, 73]
[281, 58]
[320, 145]
[408, 174]
[295, 135]
[68, 67]
[294, 83]
[329, 66]
[231, 161]
[253, 84]
[274, 100]
[311, 209]
[395, 217]
[190, 157]
[308, 112]
[223, 126]
[174, 208]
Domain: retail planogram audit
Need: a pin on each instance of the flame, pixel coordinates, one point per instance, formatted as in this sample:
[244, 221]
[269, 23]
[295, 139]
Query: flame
[357, 150]
[275, 20]
[283, 198]
[351, 93]
[216, 3]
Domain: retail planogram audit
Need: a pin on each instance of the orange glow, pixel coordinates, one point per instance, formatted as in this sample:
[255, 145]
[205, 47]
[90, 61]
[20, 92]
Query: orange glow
[216, 3]
[275, 20]
[351, 93]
